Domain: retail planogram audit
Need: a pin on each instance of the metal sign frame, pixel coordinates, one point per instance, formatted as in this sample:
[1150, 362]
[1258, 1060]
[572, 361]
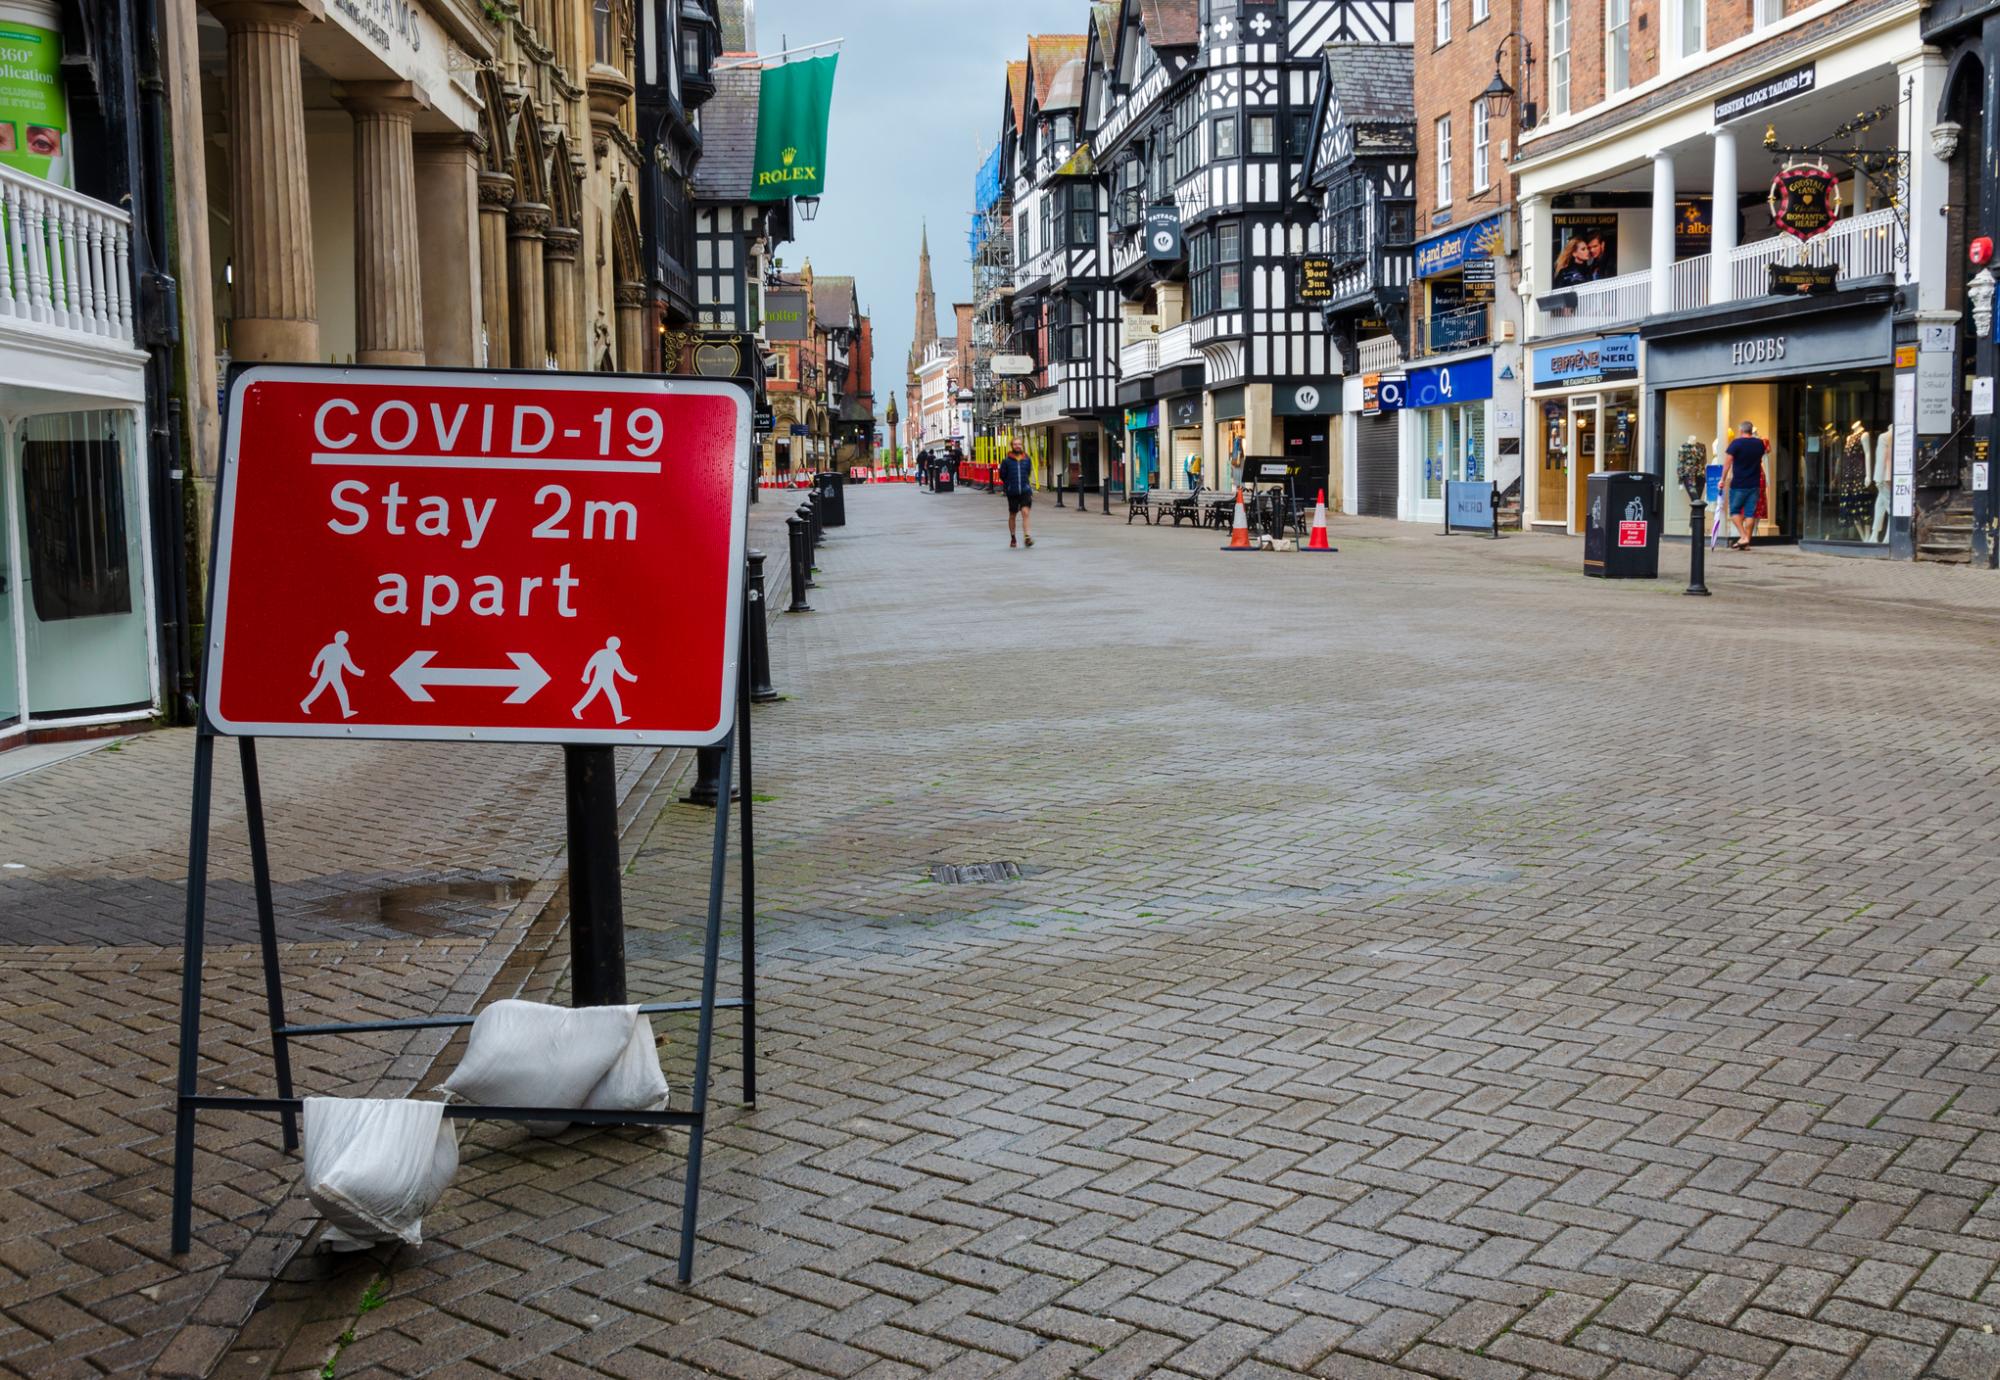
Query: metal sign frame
[190, 1101]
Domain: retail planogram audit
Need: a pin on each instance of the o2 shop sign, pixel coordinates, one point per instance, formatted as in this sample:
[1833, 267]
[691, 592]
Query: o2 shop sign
[1443, 384]
[526, 557]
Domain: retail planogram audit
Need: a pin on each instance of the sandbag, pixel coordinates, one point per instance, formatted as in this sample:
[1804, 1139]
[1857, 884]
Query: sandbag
[529, 1054]
[375, 1166]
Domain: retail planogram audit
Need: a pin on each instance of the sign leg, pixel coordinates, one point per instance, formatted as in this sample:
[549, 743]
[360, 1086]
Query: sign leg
[749, 921]
[705, 1030]
[267, 932]
[596, 898]
[191, 942]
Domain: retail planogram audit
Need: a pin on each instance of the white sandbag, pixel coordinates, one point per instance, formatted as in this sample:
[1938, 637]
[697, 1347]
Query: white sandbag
[375, 1166]
[529, 1054]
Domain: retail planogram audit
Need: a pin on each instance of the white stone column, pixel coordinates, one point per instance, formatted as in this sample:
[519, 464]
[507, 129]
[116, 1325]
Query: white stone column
[1536, 254]
[1922, 74]
[1663, 233]
[1722, 219]
[388, 267]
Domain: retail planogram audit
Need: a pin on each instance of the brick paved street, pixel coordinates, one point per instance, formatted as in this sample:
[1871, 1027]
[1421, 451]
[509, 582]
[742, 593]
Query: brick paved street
[1423, 962]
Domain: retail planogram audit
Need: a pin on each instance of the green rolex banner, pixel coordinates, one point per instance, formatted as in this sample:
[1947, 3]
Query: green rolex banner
[792, 106]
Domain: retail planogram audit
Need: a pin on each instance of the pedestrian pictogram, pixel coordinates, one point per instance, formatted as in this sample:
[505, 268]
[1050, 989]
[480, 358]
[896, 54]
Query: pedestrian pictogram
[424, 553]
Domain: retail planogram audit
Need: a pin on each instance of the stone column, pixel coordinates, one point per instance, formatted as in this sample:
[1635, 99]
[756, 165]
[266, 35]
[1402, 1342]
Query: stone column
[528, 328]
[453, 277]
[496, 194]
[1663, 233]
[631, 328]
[388, 267]
[1722, 219]
[277, 312]
[565, 330]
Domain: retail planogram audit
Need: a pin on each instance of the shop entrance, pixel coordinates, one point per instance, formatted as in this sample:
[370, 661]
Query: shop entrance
[1306, 452]
[1581, 435]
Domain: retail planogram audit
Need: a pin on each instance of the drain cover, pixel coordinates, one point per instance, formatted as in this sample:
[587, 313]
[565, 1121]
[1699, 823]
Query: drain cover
[966, 874]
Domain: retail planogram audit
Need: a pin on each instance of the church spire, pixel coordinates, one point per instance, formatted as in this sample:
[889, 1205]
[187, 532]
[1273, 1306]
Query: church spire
[925, 334]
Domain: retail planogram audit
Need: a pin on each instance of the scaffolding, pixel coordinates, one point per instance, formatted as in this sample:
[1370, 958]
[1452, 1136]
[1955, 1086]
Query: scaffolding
[992, 245]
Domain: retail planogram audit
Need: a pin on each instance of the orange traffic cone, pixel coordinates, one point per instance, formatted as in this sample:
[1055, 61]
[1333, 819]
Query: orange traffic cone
[1317, 542]
[1239, 529]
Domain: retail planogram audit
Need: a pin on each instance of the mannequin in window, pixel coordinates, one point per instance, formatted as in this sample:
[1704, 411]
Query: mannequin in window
[1884, 475]
[1853, 479]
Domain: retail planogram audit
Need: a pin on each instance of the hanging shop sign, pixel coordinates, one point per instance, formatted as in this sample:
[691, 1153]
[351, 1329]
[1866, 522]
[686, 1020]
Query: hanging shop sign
[1163, 234]
[785, 315]
[1804, 200]
[1441, 385]
[448, 555]
[1383, 393]
[1315, 278]
[1606, 360]
[794, 102]
[1448, 253]
[1781, 86]
[1802, 280]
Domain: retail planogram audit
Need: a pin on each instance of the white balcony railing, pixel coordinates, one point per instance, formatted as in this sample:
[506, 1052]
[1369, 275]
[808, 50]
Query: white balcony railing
[1861, 247]
[1176, 345]
[65, 260]
[1379, 354]
[1138, 358]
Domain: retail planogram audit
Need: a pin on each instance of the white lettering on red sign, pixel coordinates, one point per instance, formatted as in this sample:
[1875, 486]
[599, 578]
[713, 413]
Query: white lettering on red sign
[435, 554]
[1631, 534]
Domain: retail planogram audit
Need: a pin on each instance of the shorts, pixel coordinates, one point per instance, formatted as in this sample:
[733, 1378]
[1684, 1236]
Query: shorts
[1743, 503]
[1016, 502]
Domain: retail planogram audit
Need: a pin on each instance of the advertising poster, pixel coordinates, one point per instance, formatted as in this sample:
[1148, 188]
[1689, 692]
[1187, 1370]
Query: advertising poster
[1586, 247]
[34, 112]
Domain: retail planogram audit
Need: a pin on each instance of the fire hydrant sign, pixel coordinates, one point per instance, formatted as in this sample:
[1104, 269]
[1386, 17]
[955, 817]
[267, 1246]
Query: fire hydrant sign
[519, 557]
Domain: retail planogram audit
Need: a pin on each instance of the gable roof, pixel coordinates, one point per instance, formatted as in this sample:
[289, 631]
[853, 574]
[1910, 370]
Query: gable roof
[1104, 28]
[1046, 55]
[1017, 87]
[1374, 82]
[728, 162]
[1171, 23]
[833, 301]
[1066, 90]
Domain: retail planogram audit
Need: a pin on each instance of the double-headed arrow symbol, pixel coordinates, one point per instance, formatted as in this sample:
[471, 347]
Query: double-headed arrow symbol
[416, 675]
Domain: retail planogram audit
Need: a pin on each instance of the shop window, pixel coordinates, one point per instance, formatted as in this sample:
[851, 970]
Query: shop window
[1443, 142]
[1618, 45]
[1559, 20]
[1453, 447]
[1225, 137]
[73, 504]
[1263, 134]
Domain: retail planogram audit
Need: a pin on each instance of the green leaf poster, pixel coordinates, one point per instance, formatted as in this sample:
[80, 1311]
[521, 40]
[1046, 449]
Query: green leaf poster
[794, 101]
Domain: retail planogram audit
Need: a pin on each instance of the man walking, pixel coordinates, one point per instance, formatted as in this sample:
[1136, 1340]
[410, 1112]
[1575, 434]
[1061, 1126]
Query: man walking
[1742, 478]
[1017, 480]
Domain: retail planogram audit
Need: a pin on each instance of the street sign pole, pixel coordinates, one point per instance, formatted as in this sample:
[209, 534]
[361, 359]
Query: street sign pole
[596, 901]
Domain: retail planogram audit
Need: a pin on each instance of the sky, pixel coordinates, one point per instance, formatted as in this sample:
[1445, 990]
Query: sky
[917, 99]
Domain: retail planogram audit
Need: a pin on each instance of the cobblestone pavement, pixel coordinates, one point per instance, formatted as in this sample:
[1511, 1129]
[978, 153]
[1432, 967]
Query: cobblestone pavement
[409, 880]
[1422, 961]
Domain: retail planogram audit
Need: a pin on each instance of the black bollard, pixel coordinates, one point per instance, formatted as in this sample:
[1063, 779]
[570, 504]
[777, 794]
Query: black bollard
[1697, 563]
[806, 519]
[1059, 488]
[707, 779]
[818, 506]
[795, 529]
[761, 689]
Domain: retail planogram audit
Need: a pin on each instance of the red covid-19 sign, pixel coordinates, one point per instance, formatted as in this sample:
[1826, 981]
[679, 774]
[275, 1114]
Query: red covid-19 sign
[425, 553]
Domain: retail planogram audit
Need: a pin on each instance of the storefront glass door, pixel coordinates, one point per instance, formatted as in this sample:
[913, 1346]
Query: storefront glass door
[1585, 435]
[1552, 483]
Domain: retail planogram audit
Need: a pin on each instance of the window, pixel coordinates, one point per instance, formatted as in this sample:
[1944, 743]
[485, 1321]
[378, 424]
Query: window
[1688, 29]
[1201, 279]
[1298, 134]
[1225, 137]
[1482, 10]
[1079, 330]
[1767, 13]
[1559, 55]
[1080, 214]
[1229, 267]
[73, 507]
[1263, 134]
[1444, 160]
[600, 32]
[1048, 239]
[1346, 223]
[1443, 24]
[1618, 45]
[1062, 132]
[1482, 160]
[1185, 160]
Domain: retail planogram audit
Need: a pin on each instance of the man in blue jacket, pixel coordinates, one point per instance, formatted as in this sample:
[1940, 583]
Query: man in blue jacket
[1017, 481]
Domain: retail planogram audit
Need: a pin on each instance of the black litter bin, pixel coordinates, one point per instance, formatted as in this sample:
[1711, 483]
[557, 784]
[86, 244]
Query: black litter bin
[943, 481]
[1621, 527]
[832, 486]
